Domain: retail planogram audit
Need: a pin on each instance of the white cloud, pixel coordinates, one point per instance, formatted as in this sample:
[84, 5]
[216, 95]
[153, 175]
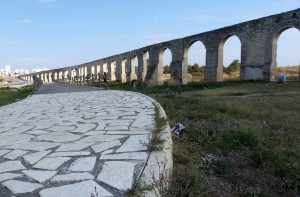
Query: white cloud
[45, 1]
[25, 21]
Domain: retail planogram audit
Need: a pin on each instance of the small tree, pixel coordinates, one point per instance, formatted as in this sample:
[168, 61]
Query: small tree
[234, 66]
[196, 68]
[167, 69]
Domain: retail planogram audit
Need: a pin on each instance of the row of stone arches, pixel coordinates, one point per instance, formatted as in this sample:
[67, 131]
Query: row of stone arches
[225, 50]
[149, 63]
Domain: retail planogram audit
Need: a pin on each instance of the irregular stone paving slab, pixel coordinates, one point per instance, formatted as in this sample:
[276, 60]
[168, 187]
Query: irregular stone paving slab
[77, 146]
[69, 137]
[3, 152]
[62, 128]
[7, 176]
[15, 154]
[73, 177]
[107, 152]
[118, 174]
[127, 132]
[69, 154]
[95, 133]
[11, 166]
[143, 122]
[35, 157]
[100, 127]
[39, 175]
[17, 130]
[85, 188]
[37, 132]
[58, 137]
[105, 145]
[83, 164]
[134, 143]
[126, 156]
[101, 138]
[19, 187]
[83, 128]
[51, 163]
[14, 140]
[35, 146]
[116, 128]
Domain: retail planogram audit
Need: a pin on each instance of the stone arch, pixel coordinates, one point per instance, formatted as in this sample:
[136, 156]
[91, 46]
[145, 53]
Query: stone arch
[161, 62]
[98, 70]
[104, 68]
[186, 62]
[134, 67]
[221, 53]
[123, 73]
[42, 77]
[65, 75]
[275, 39]
[73, 74]
[145, 64]
[93, 70]
[50, 77]
[113, 70]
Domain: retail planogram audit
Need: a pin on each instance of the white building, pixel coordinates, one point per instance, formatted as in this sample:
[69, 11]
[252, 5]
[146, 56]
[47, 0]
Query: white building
[2, 72]
[5, 71]
[7, 68]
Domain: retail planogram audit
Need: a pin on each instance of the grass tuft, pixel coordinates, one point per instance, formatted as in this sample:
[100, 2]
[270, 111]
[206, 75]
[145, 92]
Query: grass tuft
[156, 143]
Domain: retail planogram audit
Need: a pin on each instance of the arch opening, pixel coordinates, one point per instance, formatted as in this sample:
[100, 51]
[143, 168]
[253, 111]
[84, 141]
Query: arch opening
[164, 64]
[286, 46]
[134, 71]
[105, 68]
[93, 70]
[230, 58]
[123, 75]
[146, 60]
[195, 54]
[97, 71]
[144, 66]
[113, 73]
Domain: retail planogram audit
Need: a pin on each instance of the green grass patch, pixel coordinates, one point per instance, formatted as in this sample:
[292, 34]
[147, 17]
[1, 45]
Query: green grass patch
[10, 95]
[241, 138]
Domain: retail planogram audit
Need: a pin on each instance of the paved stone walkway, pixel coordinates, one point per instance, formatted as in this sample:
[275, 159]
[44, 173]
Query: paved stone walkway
[74, 144]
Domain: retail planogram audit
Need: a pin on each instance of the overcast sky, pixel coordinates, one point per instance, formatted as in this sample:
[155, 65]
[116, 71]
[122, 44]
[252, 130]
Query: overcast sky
[60, 33]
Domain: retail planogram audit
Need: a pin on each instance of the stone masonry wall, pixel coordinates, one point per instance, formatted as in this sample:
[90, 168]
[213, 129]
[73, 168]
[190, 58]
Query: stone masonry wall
[258, 55]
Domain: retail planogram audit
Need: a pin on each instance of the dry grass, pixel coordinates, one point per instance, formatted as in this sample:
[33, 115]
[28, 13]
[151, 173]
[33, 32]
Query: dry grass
[241, 139]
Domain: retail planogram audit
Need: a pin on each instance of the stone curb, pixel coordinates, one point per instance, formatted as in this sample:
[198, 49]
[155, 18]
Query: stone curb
[160, 163]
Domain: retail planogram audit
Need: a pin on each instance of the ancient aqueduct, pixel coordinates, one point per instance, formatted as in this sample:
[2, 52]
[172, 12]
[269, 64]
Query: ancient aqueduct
[258, 55]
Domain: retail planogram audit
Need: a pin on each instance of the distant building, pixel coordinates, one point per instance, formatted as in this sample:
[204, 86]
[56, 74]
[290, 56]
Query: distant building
[5, 71]
[2, 72]
[25, 71]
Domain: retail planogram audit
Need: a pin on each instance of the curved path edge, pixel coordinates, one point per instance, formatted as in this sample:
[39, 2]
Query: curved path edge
[160, 163]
